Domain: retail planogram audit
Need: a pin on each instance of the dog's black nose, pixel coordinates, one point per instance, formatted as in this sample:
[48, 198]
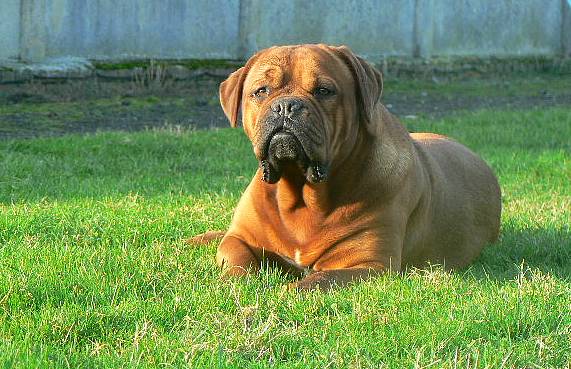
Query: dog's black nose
[287, 106]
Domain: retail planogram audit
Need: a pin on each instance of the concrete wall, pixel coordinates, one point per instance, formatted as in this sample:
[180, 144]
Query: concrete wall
[372, 28]
[36, 30]
[115, 29]
[417, 28]
[9, 28]
[467, 27]
[566, 27]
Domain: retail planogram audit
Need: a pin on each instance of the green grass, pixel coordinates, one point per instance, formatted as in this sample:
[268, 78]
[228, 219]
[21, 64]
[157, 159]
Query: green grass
[94, 273]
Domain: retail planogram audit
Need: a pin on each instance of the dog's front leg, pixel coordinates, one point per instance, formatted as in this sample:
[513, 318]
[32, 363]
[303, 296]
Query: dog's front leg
[359, 258]
[332, 273]
[236, 258]
[328, 279]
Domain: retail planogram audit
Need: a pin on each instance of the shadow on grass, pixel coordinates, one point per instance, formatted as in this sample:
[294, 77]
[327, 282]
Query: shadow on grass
[547, 250]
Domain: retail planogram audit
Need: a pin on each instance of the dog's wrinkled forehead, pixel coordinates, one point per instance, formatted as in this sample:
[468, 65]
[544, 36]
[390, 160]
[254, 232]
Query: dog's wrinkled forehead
[300, 66]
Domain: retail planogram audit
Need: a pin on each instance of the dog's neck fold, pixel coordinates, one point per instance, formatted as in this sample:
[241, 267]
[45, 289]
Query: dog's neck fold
[293, 193]
[387, 156]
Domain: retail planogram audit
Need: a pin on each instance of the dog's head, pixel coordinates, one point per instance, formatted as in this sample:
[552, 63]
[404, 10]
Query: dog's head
[303, 105]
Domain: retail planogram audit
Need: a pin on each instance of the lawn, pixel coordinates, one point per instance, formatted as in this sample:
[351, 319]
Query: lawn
[94, 271]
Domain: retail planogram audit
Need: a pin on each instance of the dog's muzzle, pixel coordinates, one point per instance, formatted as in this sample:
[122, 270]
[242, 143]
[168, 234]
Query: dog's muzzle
[285, 146]
[286, 142]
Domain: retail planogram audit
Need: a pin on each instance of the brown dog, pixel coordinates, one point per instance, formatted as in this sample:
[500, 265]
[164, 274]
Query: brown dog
[343, 190]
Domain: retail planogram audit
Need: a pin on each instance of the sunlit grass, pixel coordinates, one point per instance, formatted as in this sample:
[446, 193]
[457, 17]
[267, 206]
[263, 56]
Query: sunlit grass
[94, 271]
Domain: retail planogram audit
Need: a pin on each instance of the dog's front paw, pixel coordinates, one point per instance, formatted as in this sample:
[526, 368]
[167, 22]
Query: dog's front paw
[322, 281]
[330, 279]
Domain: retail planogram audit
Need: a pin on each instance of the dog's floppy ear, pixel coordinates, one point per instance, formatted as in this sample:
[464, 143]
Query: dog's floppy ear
[231, 95]
[231, 91]
[369, 83]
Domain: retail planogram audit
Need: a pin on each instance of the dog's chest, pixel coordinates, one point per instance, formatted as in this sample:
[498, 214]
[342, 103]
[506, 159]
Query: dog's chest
[296, 262]
[303, 248]
[298, 228]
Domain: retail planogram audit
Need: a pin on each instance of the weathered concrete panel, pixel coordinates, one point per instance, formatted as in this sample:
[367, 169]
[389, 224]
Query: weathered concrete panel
[492, 27]
[113, 29]
[9, 28]
[371, 28]
[423, 28]
[34, 35]
[131, 28]
[566, 27]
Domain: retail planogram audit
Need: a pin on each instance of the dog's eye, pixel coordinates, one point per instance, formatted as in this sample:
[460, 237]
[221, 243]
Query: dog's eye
[322, 92]
[261, 92]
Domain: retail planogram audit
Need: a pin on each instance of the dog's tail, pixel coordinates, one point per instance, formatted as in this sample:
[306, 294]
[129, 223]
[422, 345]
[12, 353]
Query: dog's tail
[206, 238]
